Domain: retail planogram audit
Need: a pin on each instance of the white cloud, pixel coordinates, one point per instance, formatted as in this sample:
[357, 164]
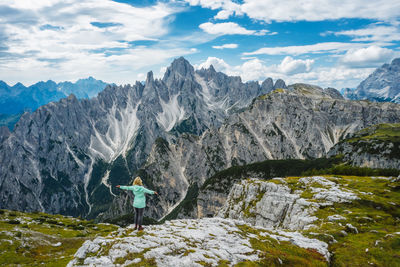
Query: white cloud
[332, 47]
[123, 68]
[63, 41]
[228, 28]
[255, 69]
[218, 63]
[231, 46]
[31, 5]
[371, 56]
[294, 66]
[373, 33]
[307, 10]
[228, 7]
[223, 14]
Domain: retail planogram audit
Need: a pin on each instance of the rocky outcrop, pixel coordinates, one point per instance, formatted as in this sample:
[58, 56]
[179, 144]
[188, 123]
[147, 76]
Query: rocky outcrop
[377, 146]
[210, 241]
[382, 85]
[275, 205]
[268, 205]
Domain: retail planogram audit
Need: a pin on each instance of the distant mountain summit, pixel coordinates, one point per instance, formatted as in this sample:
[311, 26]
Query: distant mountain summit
[383, 85]
[18, 98]
[15, 100]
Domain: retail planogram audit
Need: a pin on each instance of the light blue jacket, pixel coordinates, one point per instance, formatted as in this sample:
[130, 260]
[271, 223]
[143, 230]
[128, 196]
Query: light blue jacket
[138, 191]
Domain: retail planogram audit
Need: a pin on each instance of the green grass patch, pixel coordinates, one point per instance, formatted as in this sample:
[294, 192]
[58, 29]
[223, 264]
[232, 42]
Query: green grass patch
[384, 131]
[34, 241]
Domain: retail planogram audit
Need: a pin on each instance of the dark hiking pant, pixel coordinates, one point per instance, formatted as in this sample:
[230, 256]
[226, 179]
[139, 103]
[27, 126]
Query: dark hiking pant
[139, 216]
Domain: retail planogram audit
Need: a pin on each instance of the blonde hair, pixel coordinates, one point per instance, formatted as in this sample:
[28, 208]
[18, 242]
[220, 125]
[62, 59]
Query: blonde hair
[137, 181]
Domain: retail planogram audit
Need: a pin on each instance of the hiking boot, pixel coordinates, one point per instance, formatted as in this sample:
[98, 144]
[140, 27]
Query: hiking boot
[135, 227]
[140, 228]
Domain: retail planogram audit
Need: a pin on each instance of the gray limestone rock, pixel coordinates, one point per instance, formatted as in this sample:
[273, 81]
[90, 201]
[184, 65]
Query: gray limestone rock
[268, 205]
[4, 133]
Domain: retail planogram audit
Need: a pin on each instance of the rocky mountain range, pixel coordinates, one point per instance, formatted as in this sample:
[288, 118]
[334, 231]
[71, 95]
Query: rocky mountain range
[383, 85]
[16, 99]
[66, 156]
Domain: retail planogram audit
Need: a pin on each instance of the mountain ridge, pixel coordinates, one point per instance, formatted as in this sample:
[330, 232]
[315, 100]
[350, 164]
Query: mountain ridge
[64, 144]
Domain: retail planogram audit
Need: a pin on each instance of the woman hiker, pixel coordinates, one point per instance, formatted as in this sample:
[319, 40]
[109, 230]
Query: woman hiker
[139, 203]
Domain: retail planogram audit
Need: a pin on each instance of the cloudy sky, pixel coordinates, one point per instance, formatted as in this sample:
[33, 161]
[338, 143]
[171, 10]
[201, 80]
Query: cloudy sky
[333, 43]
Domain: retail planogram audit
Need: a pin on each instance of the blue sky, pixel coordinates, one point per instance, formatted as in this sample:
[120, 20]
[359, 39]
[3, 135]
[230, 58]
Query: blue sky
[327, 43]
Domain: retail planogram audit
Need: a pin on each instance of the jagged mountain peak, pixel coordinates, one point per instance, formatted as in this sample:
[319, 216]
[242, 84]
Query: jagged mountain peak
[4, 87]
[180, 62]
[383, 85]
[18, 85]
[149, 78]
[280, 84]
[211, 68]
[267, 86]
[180, 66]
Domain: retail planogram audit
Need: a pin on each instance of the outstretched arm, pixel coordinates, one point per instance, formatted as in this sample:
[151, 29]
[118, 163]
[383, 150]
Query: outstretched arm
[147, 191]
[124, 187]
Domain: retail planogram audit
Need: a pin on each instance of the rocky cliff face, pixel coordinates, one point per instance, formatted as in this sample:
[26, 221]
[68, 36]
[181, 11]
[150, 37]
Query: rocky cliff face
[377, 146]
[66, 156]
[382, 85]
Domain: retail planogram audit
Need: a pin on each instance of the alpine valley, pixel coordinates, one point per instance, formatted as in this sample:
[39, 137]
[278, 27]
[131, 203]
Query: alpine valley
[208, 143]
